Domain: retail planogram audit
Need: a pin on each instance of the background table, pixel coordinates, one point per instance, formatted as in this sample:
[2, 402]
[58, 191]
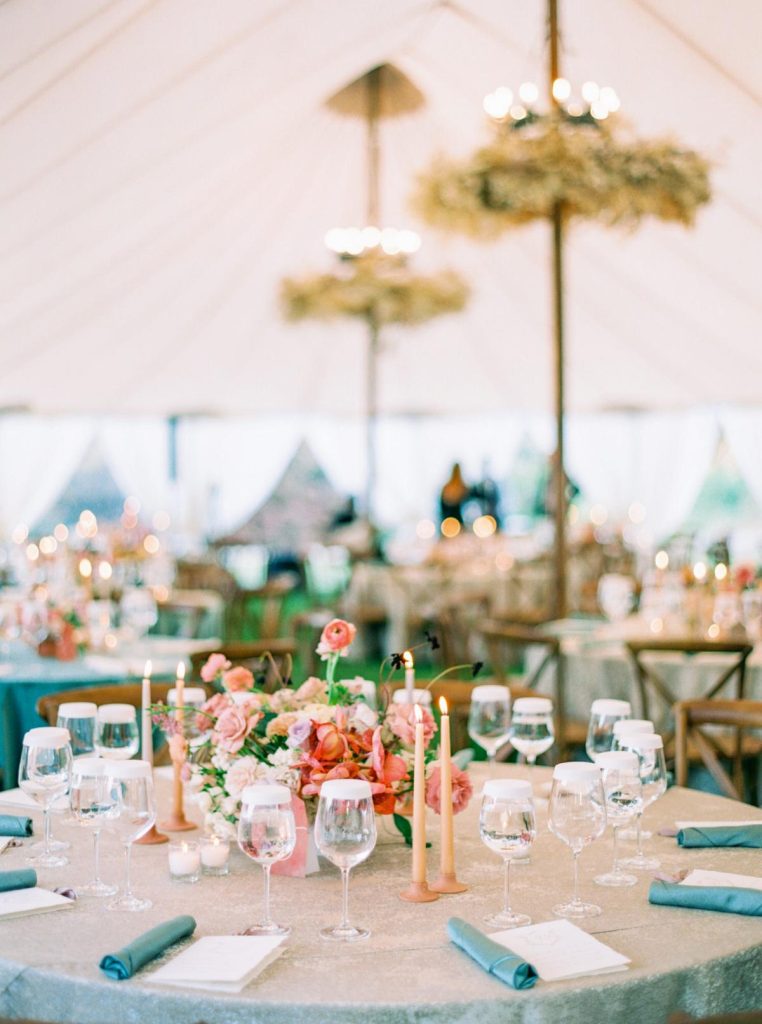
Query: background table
[407, 972]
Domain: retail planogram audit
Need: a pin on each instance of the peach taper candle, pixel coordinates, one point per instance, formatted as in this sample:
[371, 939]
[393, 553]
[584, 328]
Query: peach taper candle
[418, 891]
[447, 881]
[177, 822]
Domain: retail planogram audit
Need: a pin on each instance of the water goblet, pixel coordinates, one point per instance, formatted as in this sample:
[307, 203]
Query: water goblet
[94, 802]
[531, 731]
[489, 718]
[604, 714]
[624, 799]
[653, 775]
[266, 834]
[507, 826]
[79, 718]
[45, 774]
[116, 732]
[629, 727]
[577, 816]
[345, 834]
[135, 814]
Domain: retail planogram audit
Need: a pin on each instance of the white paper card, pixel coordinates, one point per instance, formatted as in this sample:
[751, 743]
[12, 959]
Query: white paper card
[5, 841]
[559, 950]
[21, 902]
[221, 963]
[18, 798]
[700, 877]
[717, 824]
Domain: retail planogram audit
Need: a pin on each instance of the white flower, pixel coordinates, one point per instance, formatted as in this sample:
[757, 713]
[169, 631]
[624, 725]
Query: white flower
[320, 713]
[230, 805]
[362, 717]
[222, 759]
[219, 825]
[242, 773]
[204, 802]
[284, 757]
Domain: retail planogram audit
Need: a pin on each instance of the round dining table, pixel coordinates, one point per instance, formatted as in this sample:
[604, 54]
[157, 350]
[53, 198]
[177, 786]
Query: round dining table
[407, 972]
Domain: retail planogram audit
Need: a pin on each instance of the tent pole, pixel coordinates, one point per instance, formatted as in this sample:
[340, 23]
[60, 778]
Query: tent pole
[558, 468]
[373, 87]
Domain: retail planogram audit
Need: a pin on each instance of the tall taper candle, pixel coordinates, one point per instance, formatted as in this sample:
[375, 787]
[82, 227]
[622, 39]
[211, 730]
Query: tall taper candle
[447, 882]
[419, 892]
[146, 751]
[177, 821]
[409, 663]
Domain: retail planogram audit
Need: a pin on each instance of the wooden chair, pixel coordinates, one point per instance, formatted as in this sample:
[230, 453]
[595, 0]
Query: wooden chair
[690, 718]
[259, 611]
[253, 656]
[651, 682]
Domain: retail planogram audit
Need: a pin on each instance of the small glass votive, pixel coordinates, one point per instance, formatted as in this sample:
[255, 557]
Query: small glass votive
[184, 861]
[215, 855]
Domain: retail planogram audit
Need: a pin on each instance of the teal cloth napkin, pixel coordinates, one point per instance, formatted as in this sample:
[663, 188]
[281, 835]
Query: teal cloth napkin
[146, 947]
[493, 957]
[724, 898]
[21, 878]
[10, 825]
[722, 835]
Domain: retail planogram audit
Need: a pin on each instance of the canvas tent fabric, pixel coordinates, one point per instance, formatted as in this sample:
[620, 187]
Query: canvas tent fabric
[164, 163]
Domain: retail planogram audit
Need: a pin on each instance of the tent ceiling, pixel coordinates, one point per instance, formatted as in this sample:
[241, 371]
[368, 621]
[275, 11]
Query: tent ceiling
[163, 163]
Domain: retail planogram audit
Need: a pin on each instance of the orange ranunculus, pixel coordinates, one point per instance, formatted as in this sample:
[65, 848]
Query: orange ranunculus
[331, 745]
[237, 679]
[336, 637]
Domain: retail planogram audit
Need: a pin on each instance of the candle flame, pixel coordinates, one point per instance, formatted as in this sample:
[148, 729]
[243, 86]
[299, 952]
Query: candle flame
[147, 670]
[181, 670]
[418, 713]
[443, 706]
[407, 659]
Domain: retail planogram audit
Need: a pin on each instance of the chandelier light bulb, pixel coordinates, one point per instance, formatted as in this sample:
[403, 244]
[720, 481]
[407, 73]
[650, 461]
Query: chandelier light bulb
[518, 113]
[498, 103]
[390, 241]
[590, 92]
[353, 242]
[609, 97]
[599, 110]
[561, 89]
[334, 239]
[371, 237]
[409, 241]
[528, 93]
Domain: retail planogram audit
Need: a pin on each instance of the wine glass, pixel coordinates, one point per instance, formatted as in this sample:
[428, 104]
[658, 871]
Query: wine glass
[45, 774]
[507, 826]
[577, 815]
[345, 834]
[94, 801]
[79, 718]
[624, 799]
[653, 775]
[267, 833]
[489, 718]
[116, 732]
[136, 812]
[604, 714]
[531, 731]
[629, 726]
[419, 696]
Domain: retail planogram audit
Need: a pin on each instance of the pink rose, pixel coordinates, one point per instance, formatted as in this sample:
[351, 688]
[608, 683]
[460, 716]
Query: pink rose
[310, 689]
[232, 728]
[462, 790]
[215, 664]
[336, 637]
[213, 708]
[237, 679]
[400, 718]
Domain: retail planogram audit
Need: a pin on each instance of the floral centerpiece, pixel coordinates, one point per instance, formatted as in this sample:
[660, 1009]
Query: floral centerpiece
[305, 736]
[65, 636]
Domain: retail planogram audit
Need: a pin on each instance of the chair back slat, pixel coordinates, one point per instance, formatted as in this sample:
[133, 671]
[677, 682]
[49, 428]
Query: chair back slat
[692, 716]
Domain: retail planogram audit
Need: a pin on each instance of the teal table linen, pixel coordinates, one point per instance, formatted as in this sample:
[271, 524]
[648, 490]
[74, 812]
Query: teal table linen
[124, 963]
[491, 956]
[17, 827]
[21, 878]
[723, 898]
[721, 835]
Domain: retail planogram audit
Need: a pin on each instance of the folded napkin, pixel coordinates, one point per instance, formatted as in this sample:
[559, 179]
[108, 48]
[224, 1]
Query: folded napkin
[21, 878]
[10, 825]
[721, 835]
[493, 957]
[728, 899]
[146, 947]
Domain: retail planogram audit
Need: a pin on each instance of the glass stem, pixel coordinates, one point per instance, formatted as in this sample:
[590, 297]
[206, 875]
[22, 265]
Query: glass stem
[46, 821]
[575, 858]
[531, 759]
[345, 898]
[507, 887]
[639, 834]
[127, 859]
[97, 851]
[615, 869]
[266, 869]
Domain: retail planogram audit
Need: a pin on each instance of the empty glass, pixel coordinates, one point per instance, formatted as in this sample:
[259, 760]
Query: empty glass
[604, 714]
[653, 776]
[136, 812]
[345, 834]
[45, 774]
[79, 718]
[577, 815]
[624, 799]
[267, 833]
[531, 731]
[507, 826]
[117, 736]
[489, 718]
[94, 802]
[627, 727]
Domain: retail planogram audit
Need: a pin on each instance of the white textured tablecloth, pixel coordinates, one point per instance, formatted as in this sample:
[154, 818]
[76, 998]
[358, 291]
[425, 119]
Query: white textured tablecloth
[407, 971]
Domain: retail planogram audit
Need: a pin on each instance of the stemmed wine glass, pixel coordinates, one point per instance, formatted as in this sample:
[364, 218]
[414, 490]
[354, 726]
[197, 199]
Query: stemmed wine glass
[604, 715]
[79, 718]
[577, 815]
[94, 801]
[266, 834]
[489, 718]
[624, 799]
[45, 774]
[136, 812]
[116, 732]
[629, 727]
[345, 834]
[531, 731]
[653, 775]
[507, 826]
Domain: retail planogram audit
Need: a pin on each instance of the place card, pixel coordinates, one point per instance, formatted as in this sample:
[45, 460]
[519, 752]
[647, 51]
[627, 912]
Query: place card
[220, 963]
[18, 798]
[5, 842]
[721, 878]
[21, 902]
[559, 950]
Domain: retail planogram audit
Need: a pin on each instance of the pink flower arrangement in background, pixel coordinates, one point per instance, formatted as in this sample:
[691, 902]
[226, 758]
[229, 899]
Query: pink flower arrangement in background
[336, 638]
[237, 679]
[232, 728]
[215, 665]
[400, 718]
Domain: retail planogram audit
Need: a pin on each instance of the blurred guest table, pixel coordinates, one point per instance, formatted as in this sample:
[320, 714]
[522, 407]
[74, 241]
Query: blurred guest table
[698, 961]
[25, 677]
